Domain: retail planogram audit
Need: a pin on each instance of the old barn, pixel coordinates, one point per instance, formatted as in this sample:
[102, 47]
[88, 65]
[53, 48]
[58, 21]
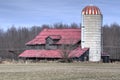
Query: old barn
[52, 43]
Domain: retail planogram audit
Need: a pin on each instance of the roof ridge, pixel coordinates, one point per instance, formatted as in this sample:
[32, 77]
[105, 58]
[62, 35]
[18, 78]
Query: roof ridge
[76, 29]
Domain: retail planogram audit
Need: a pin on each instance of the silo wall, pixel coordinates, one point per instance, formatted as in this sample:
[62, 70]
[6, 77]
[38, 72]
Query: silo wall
[91, 36]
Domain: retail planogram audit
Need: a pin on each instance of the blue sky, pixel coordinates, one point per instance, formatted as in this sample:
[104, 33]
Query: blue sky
[37, 12]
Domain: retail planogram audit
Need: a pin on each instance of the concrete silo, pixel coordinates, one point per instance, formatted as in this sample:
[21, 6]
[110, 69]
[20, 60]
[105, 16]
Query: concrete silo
[91, 32]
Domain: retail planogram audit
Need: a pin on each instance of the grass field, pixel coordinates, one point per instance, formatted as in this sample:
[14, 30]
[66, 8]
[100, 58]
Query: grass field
[60, 71]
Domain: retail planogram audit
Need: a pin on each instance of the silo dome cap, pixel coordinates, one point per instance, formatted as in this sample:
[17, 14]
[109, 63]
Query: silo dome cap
[91, 10]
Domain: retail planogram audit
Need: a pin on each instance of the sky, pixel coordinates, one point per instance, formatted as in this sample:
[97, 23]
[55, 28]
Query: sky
[27, 13]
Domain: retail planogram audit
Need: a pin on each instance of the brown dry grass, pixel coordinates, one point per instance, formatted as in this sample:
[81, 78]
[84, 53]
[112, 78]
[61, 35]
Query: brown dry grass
[60, 71]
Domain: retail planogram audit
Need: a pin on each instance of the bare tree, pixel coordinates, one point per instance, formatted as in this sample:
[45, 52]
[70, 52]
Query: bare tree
[111, 40]
[66, 50]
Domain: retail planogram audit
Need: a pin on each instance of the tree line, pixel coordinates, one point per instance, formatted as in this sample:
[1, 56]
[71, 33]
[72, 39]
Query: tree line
[12, 41]
[111, 40]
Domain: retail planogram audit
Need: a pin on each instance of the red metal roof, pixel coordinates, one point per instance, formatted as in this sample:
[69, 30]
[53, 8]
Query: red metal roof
[52, 53]
[78, 52]
[41, 53]
[67, 36]
[91, 10]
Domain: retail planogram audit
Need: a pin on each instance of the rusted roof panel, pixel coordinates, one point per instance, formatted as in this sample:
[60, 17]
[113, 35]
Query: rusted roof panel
[67, 36]
[52, 53]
